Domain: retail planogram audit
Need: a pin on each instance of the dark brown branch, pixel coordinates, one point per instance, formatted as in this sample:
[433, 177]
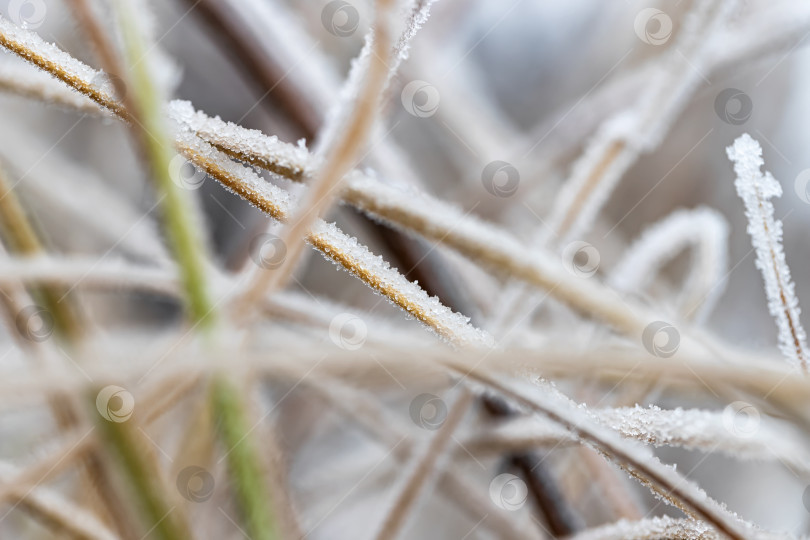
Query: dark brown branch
[548, 499]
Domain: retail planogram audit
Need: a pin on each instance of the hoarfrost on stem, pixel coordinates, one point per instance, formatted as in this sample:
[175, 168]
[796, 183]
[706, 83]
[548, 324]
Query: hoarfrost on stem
[756, 189]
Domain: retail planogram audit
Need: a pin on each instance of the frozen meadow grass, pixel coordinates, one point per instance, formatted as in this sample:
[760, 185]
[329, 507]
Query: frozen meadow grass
[528, 363]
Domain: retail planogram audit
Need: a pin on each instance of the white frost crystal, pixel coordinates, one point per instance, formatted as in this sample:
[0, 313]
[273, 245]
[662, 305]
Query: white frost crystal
[756, 189]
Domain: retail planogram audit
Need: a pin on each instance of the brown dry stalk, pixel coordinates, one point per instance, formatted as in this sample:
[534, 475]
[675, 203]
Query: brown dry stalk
[505, 256]
[235, 184]
[326, 244]
[232, 182]
[367, 276]
[35, 85]
[611, 484]
[418, 478]
[295, 174]
[663, 482]
[276, 456]
[509, 257]
[62, 516]
[655, 108]
[583, 295]
[75, 445]
[71, 79]
[105, 50]
[569, 215]
[19, 234]
[756, 189]
[365, 412]
[792, 325]
[339, 159]
[436, 221]
[461, 333]
[21, 238]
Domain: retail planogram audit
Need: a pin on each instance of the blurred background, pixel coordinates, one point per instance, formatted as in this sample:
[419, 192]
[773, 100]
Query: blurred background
[522, 82]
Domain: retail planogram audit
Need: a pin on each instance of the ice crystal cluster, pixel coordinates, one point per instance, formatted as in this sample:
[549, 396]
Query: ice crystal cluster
[756, 189]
